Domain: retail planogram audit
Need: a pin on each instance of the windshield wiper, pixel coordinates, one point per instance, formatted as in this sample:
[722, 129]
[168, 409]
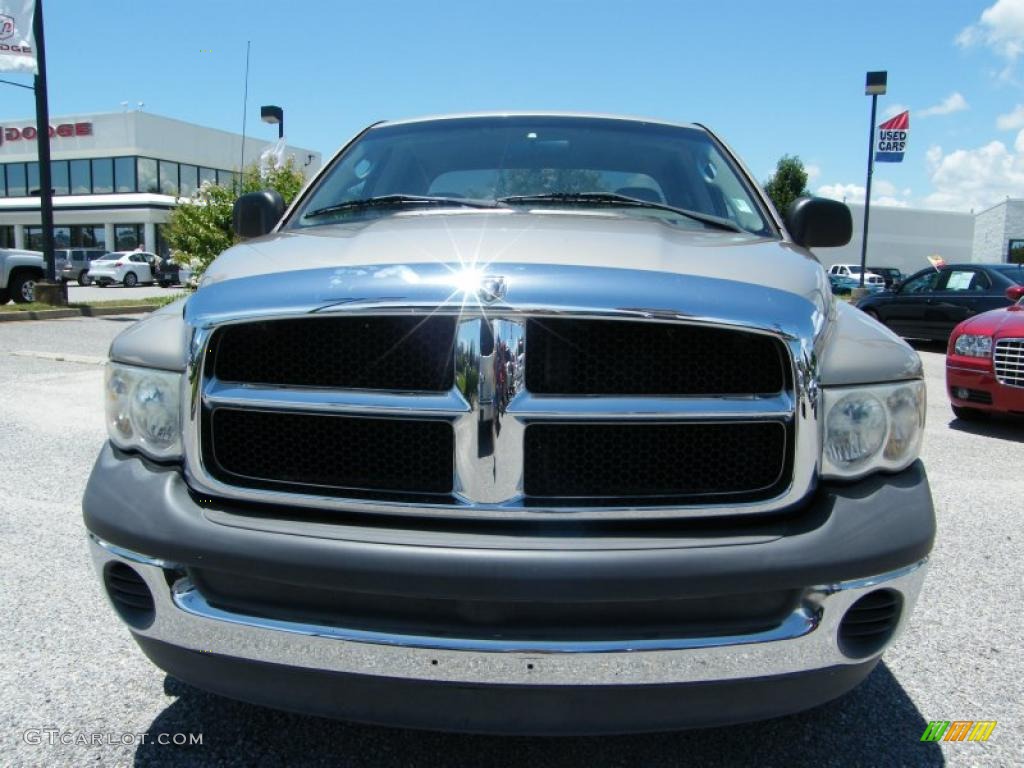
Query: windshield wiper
[611, 198]
[396, 201]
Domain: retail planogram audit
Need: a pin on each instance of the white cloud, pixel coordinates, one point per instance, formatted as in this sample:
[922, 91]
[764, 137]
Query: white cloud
[882, 193]
[894, 110]
[1011, 121]
[851, 193]
[955, 102]
[813, 172]
[1001, 28]
[966, 179]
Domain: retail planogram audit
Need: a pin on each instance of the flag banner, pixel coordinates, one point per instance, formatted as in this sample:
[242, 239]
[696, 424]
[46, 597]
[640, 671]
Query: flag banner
[17, 44]
[890, 143]
[891, 139]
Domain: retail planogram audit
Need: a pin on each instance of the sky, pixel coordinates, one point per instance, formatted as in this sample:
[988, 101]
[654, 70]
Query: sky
[771, 78]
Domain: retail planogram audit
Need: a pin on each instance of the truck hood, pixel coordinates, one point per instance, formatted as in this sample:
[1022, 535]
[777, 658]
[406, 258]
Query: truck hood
[486, 240]
[548, 262]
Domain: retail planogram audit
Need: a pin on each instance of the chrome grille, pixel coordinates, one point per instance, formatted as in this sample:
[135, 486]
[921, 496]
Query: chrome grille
[1009, 362]
[496, 447]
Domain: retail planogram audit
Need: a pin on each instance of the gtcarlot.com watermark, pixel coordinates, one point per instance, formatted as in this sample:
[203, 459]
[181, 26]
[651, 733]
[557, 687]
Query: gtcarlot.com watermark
[79, 737]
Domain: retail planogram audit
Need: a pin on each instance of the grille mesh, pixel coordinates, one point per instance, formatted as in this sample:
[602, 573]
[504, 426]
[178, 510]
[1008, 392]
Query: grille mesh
[1009, 362]
[598, 357]
[668, 460]
[264, 449]
[394, 353]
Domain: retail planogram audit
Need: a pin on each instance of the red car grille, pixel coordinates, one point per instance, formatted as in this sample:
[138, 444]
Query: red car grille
[1009, 362]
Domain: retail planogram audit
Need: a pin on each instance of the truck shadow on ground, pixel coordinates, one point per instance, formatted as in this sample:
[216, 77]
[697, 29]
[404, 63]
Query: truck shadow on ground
[999, 426]
[875, 724]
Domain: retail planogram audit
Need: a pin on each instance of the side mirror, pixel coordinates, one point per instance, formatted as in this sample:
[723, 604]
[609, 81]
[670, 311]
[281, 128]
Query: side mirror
[1014, 293]
[896, 285]
[256, 213]
[817, 222]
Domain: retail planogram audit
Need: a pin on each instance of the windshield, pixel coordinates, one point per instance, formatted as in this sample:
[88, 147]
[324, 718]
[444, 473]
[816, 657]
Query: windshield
[574, 162]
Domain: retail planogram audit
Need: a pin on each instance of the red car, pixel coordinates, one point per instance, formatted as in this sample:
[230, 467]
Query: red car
[985, 361]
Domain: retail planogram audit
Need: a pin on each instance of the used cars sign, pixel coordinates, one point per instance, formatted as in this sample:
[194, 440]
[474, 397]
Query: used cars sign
[891, 141]
[17, 47]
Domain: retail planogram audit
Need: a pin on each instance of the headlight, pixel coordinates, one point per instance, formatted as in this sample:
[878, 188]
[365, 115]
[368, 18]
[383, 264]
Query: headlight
[971, 345]
[143, 409]
[871, 428]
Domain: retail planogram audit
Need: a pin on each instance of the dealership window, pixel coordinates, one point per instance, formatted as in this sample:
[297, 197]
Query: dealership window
[16, 180]
[81, 181]
[147, 175]
[226, 178]
[163, 249]
[1015, 252]
[6, 236]
[168, 178]
[34, 238]
[124, 174]
[59, 177]
[32, 178]
[128, 237]
[3, 180]
[207, 176]
[189, 179]
[102, 176]
[87, 236]
[62, 237]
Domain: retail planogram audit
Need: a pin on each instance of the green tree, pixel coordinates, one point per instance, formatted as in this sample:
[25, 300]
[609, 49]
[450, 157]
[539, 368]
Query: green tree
[199, 230]
[787, 183]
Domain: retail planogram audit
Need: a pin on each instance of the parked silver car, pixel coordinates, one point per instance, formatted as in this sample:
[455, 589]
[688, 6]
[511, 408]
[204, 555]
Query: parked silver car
[74, 263]
[20, 270]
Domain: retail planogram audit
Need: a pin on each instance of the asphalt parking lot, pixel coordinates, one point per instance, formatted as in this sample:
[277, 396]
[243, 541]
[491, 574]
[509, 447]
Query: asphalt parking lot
[68, 664]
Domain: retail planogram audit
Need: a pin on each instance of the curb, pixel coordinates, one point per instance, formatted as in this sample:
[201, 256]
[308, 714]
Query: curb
[58, 314]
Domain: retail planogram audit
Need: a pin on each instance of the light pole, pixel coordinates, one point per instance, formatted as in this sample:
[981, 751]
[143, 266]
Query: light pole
[274, 116]
[874, 86]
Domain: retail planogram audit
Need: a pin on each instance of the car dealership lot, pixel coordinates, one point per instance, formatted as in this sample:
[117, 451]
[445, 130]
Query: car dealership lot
[69, 664]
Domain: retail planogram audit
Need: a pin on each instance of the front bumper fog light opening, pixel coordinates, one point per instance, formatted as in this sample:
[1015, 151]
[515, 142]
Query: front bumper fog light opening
[870, 623]
[130, 595]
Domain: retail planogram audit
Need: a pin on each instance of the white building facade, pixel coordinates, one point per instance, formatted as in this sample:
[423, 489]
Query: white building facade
[999, 233]
[905, 237]
[116, 176]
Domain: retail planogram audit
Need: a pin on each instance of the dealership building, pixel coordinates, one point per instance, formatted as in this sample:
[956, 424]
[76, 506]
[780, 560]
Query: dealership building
[116, 176]
[905, 237]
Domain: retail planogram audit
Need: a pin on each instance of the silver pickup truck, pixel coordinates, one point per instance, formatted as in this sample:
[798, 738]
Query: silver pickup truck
[527, 423]
[19, 272]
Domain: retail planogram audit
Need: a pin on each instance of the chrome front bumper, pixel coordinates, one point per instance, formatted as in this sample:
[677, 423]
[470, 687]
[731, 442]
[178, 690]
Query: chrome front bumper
[805, 641]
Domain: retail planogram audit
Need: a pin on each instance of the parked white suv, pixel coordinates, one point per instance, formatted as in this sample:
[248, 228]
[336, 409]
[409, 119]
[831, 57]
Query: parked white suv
[126, 267]
[871, 280]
